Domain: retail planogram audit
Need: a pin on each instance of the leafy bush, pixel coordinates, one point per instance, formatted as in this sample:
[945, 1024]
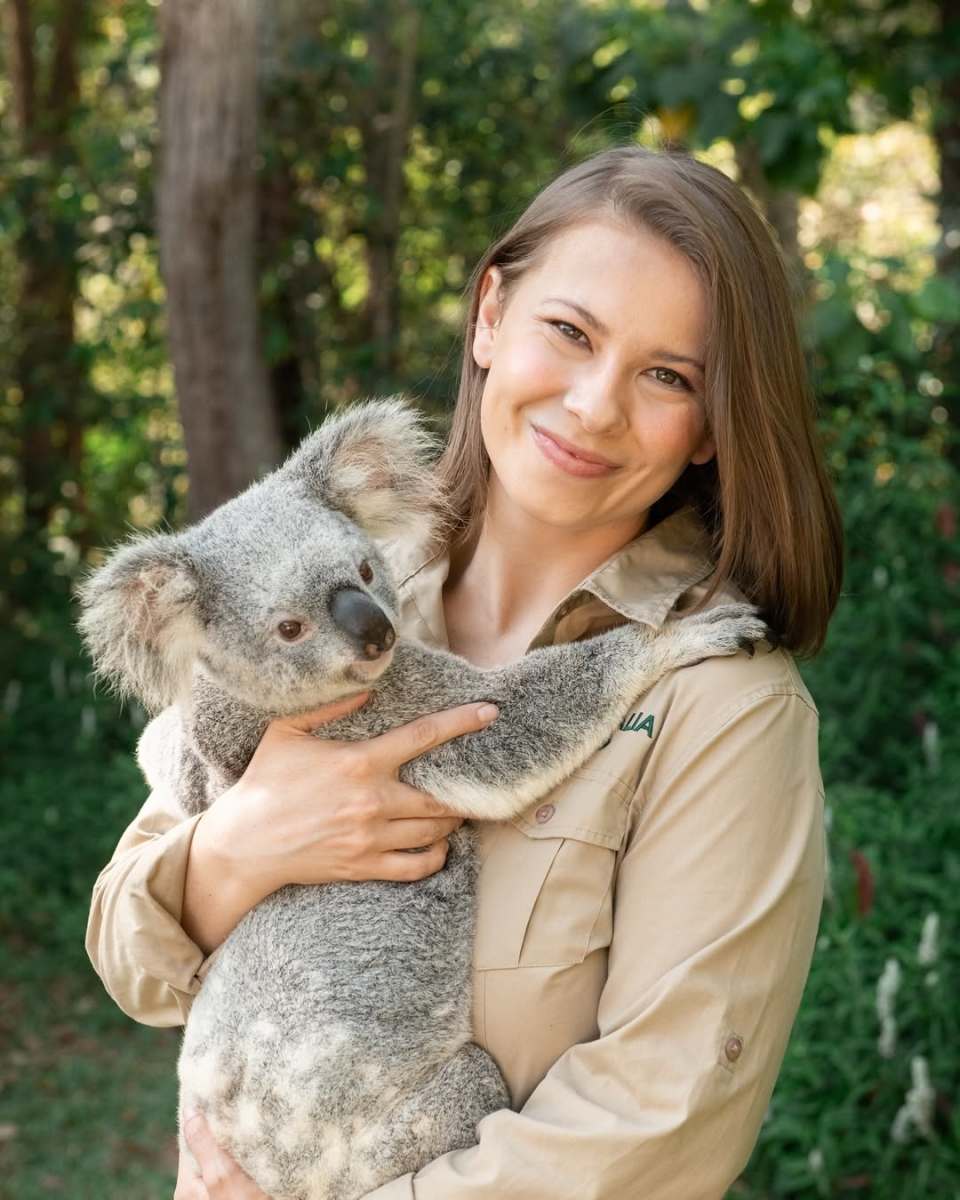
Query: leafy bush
[888, 689]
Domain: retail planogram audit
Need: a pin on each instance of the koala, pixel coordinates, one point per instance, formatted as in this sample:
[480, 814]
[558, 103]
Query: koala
[330, 1045]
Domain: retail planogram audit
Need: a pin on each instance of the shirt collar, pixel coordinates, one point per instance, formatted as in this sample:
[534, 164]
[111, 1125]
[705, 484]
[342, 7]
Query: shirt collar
[642, 581]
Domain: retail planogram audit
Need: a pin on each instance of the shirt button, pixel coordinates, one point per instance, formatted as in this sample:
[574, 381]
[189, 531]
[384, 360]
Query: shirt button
[544, 813]
[733, 1048]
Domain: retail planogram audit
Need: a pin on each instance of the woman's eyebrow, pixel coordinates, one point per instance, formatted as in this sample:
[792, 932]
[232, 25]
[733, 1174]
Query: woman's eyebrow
[681, 358]
[601, 328]
[584, 312]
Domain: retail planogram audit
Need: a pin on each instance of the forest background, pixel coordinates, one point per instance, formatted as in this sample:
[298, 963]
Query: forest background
[284, 203]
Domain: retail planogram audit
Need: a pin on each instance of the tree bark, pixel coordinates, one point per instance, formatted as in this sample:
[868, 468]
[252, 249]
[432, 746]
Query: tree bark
[48, 375]
[208, 225]
[781, 208]
[386, 128]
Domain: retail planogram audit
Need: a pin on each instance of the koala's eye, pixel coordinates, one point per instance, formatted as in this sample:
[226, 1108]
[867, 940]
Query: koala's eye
[289, 630]
[366, 571]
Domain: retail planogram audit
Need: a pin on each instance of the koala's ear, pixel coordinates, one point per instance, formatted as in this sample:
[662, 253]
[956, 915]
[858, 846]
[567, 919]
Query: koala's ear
[373, 462]
[138, 618]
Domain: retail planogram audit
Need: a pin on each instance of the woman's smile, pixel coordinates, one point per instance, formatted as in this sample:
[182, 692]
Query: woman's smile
[560, 456]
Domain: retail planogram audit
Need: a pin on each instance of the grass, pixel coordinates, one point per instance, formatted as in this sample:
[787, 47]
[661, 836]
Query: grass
[89, 1097]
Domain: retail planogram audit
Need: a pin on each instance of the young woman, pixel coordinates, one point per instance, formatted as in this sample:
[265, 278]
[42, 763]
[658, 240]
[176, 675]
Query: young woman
[633, 437]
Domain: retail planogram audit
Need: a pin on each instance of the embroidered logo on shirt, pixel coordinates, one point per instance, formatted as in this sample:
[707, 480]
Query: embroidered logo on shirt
[638, 722]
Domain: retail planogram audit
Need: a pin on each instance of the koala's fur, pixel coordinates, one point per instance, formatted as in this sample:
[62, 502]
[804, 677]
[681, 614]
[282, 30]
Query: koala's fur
[330, 1046]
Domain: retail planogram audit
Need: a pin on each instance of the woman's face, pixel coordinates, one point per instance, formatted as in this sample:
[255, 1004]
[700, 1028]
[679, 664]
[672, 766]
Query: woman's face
[600, 347]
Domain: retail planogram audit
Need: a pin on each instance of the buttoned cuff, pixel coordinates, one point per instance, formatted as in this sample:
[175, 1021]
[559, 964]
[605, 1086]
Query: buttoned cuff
[136, 944]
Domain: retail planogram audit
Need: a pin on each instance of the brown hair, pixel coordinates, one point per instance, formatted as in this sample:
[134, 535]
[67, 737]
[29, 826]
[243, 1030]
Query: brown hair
[765, 498]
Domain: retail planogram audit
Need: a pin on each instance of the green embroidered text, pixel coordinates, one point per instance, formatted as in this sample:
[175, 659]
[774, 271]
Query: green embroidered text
[635, 722]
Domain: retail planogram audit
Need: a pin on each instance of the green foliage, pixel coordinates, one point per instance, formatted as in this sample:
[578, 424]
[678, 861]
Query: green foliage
[828, 1130]
[888, 689]
[70, 783]
[893, 641]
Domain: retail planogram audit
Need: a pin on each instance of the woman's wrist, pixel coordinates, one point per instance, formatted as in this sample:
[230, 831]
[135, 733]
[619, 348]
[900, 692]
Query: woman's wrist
[224, 881]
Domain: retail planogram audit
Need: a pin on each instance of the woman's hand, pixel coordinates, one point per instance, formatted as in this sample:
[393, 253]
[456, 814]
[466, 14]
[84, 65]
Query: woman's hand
[310, 810]
[221, 1178]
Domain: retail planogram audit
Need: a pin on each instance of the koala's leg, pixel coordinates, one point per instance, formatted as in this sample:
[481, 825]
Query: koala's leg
[558, 705]
[440, 1116]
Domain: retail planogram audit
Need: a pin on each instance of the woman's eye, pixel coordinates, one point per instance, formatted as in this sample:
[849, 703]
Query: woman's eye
[366, 571]
[563, 326]
[672, 378]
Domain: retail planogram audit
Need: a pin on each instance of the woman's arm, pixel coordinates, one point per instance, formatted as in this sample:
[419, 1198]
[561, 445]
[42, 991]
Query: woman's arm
[147, 963]
[307, 810]
[717, 905]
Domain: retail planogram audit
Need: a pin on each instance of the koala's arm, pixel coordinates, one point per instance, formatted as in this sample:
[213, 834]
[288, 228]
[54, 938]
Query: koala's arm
[558, 704]
[135, 942]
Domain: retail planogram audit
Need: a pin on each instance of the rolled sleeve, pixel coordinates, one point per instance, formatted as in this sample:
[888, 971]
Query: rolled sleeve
[716, 909]
[134, 940]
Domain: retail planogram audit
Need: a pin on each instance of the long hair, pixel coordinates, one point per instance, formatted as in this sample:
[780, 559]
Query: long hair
[765, 497]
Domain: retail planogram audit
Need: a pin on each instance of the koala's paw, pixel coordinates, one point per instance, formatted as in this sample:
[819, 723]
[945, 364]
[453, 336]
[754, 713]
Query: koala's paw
[722, 630]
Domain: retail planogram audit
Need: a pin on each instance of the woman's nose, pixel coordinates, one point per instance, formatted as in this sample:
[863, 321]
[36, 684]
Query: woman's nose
[595, 399]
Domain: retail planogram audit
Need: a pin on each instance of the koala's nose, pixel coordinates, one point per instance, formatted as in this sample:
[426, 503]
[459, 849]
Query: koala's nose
[356, 614]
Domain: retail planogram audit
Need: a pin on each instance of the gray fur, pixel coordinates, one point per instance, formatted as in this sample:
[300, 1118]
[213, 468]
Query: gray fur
[330, 1046]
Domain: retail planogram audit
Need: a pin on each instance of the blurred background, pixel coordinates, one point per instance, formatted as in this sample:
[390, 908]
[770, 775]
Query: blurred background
[220, 221]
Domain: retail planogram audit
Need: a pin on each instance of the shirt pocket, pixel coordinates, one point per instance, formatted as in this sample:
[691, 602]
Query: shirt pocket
[546, 881]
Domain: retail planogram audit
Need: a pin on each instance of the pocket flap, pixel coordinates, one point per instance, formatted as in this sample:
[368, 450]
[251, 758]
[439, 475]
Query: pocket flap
[590, 806]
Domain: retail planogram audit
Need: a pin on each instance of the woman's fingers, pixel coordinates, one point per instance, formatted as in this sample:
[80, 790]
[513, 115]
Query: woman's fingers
[404, 867]
[312, 810]
[409, 741]
[223, 1179]
[413, 832]
[399, 801]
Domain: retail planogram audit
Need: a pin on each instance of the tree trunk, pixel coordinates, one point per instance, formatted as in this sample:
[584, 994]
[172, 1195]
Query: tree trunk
[386, 129]
[207, 222]
[279, 217]
[780, 207]
[48, 375]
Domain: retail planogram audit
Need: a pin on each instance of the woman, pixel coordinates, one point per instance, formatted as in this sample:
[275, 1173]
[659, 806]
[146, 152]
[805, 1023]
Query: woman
[633, 437]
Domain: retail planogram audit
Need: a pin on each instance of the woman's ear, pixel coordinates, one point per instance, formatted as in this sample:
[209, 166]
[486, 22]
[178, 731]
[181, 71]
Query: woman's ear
[489, 311]
[704, 452]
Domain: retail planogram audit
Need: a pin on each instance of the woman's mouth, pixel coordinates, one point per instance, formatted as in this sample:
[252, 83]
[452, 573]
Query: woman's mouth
[567, 461]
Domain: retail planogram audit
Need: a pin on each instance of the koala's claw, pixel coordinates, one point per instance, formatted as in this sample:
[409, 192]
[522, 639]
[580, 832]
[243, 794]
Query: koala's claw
[723, 630]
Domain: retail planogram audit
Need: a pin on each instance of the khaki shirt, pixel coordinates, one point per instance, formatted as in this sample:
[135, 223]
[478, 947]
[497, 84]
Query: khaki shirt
[644, 931]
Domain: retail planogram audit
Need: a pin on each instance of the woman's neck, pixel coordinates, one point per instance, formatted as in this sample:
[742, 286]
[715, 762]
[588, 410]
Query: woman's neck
[518, 569]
